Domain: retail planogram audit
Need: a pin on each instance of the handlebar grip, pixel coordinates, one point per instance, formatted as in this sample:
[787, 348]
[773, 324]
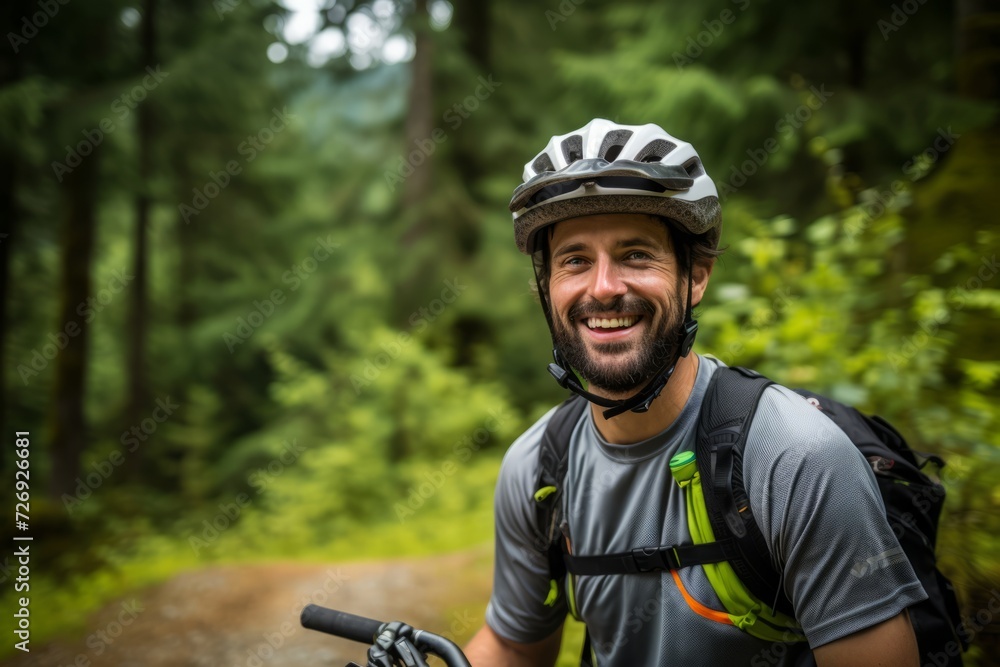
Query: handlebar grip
[341, 624]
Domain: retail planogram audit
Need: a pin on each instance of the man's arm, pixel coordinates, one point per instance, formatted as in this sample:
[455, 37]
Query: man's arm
[888, 644]
[488, 649]
[825, 522]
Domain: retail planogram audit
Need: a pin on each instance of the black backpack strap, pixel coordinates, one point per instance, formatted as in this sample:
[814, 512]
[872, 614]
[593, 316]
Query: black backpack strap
[553, 461]
[726, 414]
[648, 559]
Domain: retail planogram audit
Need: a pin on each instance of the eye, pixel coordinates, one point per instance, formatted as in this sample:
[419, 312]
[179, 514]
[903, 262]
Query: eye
[638, 255]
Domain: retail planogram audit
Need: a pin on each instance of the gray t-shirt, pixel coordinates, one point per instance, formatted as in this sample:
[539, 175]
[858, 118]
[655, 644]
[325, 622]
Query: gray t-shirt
[813, 495]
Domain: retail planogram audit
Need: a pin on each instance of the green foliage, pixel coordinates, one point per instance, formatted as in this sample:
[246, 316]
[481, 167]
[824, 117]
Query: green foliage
[366, 412]
[821, 308]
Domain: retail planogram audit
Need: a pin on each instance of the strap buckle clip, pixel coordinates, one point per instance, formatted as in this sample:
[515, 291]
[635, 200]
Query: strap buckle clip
[648, 559]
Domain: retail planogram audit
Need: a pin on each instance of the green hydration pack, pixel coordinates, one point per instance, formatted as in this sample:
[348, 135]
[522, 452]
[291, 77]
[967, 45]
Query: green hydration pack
[725, 538]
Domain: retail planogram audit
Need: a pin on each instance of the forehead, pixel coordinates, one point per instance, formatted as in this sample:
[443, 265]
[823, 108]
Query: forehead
[609, 229]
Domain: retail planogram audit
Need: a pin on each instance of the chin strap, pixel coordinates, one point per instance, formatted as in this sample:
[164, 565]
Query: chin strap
[640, 401]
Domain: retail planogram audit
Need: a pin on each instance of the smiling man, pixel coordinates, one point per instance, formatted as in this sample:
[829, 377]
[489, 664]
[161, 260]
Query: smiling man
[623, 225]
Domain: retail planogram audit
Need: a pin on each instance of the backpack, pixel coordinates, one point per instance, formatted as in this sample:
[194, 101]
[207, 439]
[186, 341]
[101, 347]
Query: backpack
[913, 503]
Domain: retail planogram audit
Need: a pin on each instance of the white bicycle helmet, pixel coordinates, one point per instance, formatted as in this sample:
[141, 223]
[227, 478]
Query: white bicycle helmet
[605, 167]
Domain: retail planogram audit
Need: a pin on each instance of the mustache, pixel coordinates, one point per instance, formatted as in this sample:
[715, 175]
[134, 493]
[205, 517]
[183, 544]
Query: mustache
[621, 303]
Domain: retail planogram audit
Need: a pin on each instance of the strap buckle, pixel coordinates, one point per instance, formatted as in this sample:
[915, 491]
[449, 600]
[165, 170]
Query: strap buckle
[654, 558]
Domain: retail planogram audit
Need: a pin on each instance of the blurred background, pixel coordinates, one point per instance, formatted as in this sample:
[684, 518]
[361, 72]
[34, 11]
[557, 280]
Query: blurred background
[262, 312]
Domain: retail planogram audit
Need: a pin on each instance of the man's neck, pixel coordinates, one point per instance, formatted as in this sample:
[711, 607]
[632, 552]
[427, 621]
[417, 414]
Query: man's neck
[631, 427]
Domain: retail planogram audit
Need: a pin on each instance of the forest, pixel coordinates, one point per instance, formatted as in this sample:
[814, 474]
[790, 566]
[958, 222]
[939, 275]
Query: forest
[260, 301]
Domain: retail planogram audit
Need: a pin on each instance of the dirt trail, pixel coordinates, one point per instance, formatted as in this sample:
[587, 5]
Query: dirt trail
[248, 616]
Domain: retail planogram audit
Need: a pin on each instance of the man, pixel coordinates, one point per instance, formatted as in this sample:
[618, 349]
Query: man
[623, 224]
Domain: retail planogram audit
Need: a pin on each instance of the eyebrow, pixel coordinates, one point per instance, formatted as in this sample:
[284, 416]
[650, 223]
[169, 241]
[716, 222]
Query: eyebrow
[634, 242]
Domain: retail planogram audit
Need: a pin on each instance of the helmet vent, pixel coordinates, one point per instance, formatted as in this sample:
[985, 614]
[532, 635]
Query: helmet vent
[542, 163]
[613, 144]
[655, 151]
[572, 148]
[694, 168]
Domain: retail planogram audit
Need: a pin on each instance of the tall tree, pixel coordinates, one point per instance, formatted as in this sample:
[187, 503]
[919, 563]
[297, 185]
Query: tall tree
[78, 50]
[69, 427]
[978, 23]
[10, 75]
[138, 387]
[419, 122]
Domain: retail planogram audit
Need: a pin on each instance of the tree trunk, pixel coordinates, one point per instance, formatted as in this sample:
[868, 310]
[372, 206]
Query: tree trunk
[474, 19]
[977, 57]
[138, 388]
[419, 125]
[10, 73]
[69, 429]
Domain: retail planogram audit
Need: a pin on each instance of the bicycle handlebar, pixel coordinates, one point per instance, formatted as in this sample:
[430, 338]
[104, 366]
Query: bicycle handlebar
[341, 624]
[367, 631]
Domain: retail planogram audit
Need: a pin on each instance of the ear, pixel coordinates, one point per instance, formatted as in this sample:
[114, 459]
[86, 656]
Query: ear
[700, 274]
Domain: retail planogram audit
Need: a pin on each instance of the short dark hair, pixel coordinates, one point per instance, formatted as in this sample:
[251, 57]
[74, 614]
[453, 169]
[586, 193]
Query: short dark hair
[699, 248]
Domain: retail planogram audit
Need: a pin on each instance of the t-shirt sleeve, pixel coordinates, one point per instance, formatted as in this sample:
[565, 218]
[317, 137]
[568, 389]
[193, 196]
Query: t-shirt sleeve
[521, 571]
[817, 503]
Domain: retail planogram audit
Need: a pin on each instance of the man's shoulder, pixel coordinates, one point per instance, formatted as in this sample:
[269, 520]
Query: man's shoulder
[521, 459]
[786, 416]
[791, 438]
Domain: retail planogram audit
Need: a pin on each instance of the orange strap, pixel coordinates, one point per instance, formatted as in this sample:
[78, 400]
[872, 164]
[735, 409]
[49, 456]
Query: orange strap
[699, 608]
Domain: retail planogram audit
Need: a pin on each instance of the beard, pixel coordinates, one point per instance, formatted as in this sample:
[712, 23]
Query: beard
[621, 367]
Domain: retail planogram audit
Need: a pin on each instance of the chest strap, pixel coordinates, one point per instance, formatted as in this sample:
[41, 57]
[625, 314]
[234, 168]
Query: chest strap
[649, 559]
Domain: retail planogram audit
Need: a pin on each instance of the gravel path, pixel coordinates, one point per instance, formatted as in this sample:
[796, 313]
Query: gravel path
[248, 616]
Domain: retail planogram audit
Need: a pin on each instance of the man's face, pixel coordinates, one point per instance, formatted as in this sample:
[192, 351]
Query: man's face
[615, 292]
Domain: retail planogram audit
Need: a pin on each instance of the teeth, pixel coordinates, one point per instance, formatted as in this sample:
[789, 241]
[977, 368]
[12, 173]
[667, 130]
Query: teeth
[613, 323]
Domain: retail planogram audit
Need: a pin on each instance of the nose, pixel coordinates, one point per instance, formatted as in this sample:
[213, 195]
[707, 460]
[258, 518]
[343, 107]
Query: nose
[607, 280]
